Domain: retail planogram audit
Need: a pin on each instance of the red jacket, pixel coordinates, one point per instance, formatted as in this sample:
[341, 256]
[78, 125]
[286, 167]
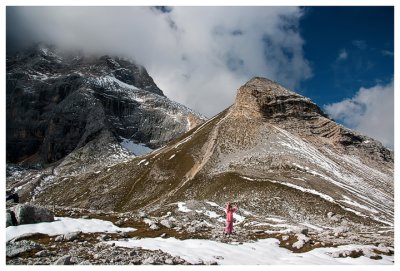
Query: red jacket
[229, 213]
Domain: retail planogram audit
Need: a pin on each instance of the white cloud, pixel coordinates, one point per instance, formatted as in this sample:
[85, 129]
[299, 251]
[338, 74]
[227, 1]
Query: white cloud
[343, 55]
[370, 111]
[198, 56]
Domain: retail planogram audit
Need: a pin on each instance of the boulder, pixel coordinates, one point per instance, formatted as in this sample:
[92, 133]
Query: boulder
[71, 236]
[330, 214]
[29, 214]
[154, 227]
[10, 218]
[302, 230]
[167, 223]
[14, 249]
[149, 260]
[142, 215]
[42, 253]
[64, 260]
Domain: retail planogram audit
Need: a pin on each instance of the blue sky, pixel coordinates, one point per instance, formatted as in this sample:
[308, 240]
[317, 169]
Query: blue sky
[340, 57]
[365, 36]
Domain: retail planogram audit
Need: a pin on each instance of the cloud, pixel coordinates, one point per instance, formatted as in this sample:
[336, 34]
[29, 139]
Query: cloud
[198, 56]
[343, 55]
[360, 44]
[370, 111]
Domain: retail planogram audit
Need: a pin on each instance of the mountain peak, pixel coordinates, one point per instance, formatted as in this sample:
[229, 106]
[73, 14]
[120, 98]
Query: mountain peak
[264, 98]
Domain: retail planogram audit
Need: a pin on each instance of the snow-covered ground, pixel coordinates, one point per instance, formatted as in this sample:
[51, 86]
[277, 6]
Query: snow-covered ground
[134, 148]
[63, 225]
[265, 251]
[261, 252]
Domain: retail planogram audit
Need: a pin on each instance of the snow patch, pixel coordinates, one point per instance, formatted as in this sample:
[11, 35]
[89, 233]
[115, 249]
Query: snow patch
[63, 225]
[182, 207]
[212, 203]
[264, 251]
[134, 148]
[141, 161]
[308, 190]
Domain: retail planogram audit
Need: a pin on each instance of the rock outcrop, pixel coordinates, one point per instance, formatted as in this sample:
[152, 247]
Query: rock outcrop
[57, 102]
[28, 214]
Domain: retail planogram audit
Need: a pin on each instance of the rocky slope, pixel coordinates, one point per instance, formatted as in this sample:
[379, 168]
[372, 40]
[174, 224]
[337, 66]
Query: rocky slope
[273, 151]
[59, 102]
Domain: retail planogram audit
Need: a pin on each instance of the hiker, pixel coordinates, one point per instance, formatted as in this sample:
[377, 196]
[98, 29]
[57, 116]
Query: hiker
[229, 218]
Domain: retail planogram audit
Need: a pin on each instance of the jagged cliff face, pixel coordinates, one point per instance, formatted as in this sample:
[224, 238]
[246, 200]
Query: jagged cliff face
[59, 101]
[273, 151]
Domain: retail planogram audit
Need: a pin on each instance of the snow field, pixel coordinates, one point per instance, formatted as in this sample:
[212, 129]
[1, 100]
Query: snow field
[264, 251]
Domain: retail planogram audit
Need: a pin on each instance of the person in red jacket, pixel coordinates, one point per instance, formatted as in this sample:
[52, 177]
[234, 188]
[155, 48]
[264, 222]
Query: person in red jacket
[229, 218]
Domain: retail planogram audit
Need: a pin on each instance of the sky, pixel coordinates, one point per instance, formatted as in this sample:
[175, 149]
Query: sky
[340, 57]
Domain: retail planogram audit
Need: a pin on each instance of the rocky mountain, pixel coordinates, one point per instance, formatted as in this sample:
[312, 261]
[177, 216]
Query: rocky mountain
[309, 192]
[273, 151]
[71, 108]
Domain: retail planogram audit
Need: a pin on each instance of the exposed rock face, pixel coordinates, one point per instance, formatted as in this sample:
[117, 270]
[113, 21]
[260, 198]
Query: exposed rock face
[57, 102]
[28, 214]
[269, 100]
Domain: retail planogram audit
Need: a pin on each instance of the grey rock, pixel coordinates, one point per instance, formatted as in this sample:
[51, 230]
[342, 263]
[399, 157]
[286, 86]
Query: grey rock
[72, 236]
[340, 230]
[28, 214]
[154, 227]
[59, 238]
[167, 223]
[149, 260]
[178, 260]
[142, 215]
[191, 229]
[13, 249]
[169, 261]
[10, 218]
[42, 253]
[132, 253]
[119, 222]
[64, 260]
[330, 214]
[302, 230]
